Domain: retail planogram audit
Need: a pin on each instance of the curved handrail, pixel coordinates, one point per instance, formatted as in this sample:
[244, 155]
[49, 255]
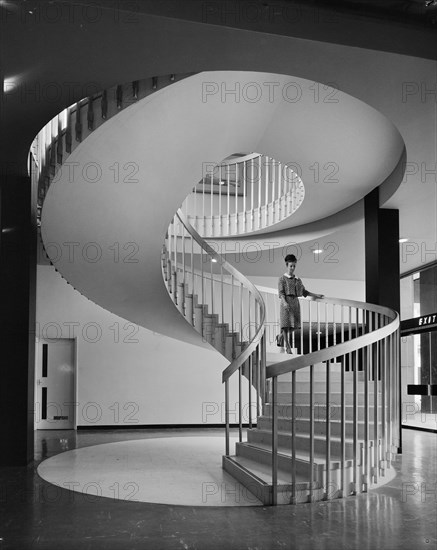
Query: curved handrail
[238, 361]
[261, 205]
[337, 350]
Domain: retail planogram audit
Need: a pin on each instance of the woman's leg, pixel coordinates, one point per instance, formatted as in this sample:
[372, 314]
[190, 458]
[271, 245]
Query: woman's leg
[289, 332]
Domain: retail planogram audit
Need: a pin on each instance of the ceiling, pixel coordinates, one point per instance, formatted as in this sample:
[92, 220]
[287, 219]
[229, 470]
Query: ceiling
[365, 49]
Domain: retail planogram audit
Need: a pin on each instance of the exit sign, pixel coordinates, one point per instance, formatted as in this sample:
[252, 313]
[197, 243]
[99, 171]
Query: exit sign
[424, 323]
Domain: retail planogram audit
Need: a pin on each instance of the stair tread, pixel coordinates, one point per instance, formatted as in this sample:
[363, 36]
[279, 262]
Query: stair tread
[301, 435]
[319, 458]
[264, 471]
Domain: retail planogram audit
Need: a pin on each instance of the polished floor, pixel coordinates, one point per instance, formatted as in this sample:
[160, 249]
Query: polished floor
[35, 514]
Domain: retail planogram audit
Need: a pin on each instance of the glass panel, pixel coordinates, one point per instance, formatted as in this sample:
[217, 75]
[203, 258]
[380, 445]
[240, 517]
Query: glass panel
[419, 368]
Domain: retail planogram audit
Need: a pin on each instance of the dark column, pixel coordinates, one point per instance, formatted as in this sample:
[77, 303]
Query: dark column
[382, 263]
[17, 316]
[382, 253]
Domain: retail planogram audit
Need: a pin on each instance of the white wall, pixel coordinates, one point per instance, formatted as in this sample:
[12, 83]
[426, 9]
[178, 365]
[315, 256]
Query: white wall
[168, 381]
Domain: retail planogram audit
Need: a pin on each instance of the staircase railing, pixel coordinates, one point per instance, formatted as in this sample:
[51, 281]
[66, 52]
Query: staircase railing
[222, 305]
[61, 135]
[364, 339]
[243, 193]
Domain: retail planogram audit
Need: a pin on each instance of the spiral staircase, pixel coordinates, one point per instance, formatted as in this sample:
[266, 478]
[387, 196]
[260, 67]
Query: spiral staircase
[324, 422]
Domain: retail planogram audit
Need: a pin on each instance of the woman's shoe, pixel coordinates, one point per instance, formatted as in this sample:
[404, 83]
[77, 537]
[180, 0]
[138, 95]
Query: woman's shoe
[289, 351]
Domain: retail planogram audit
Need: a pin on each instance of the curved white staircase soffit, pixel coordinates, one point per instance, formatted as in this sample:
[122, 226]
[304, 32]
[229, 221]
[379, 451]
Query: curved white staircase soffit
[168, 137]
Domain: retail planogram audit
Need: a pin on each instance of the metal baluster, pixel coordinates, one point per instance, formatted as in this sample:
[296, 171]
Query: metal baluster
[326, 326]
[203, 206]
[311, 499]
[375, 406]
[293, 436]
[274, 440]
[252, 164]
[328, 431]
[240, 410]
[318, 325]
[220, 202]
[301, 334]
[250, 364]
[273, 191]
[236, 198]
[267, 189]
[227, 416]
[212, 289]
[223, 298]
[212, 203]
[228, 200]
[259, 190]
[383, 414]
[244, 197]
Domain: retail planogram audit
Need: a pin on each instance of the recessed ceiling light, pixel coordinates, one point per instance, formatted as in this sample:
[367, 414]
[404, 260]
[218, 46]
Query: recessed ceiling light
[403, 240]
[214, 260]
[317, 251]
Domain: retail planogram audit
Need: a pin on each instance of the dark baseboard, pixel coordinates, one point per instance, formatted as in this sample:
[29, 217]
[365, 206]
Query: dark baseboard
[430, 430]
[160, 426]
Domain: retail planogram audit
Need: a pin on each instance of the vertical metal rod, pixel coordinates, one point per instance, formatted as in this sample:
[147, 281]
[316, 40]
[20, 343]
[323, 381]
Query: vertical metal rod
[343, 427]
[301, 334]
[310, 329]
[383, 404]
[318, 325]
[328, 431]
[236, 199]
[241, 312]
[244, 196]
[280, 197]
[222, 295]
[203, 204]
[250, 363]
[227, 416]
[293, 436]
[259, 189]
[232, 307]
[228, 201]
[202, 279]
[212, 288]
[212, 203]
[220, 201]
[240, 405]
[273, 190]
[192, 268]
[311, 499]
[252, 164]
[375, 406]
[274, 440]
[389, 400]
[267, 189]
[354, 436]
[326, 326]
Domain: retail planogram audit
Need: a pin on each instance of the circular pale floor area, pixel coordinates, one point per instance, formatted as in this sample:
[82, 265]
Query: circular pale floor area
[169, 470]
[166, 470]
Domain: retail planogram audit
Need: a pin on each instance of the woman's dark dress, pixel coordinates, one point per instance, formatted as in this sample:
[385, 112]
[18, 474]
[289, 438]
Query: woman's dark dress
[290, 288]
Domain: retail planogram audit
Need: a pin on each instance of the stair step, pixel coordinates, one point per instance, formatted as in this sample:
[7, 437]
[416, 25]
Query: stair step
[258, 480]
[256, 436]
[320, 398]
[320, 425]
[303, 411]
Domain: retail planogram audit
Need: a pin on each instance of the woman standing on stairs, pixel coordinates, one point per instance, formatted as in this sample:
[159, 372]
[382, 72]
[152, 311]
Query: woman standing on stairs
[290, 288]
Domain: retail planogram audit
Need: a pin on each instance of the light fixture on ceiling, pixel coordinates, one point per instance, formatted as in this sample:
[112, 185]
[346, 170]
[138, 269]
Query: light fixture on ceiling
[403, 240]
[318, 251]
[429, 3]
[214, 260]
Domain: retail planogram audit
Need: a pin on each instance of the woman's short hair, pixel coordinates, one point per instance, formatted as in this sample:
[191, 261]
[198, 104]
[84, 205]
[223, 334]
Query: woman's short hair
[290, 258]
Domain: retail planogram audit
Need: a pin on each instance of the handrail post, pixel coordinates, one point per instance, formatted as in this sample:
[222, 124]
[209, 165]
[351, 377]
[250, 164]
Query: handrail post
[275, 441]
[227, 417]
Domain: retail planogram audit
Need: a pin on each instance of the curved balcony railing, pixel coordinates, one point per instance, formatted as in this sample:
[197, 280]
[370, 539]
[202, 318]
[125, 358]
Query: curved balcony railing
[243, 194]
[220, 303]
[59, 137]
[352, 422]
